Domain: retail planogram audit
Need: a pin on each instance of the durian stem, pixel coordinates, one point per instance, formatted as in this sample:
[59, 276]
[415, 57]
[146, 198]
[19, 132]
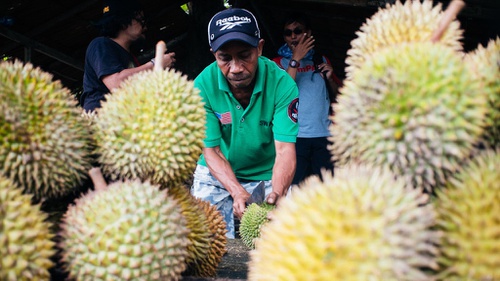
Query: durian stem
[98, 179]
[161, 48]
[449, 15]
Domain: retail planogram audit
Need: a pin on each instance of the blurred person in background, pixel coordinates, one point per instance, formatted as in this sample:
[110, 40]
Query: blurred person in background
[108, 60]
[318, 87]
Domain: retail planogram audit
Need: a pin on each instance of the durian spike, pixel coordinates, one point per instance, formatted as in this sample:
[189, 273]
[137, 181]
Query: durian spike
[161, 48]
[98, 179]
[450, 14]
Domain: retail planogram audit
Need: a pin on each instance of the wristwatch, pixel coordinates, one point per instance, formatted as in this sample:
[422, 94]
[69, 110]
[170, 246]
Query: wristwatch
[293, 64]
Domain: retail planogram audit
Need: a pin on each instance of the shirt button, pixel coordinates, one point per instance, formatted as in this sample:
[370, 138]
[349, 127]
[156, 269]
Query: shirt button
[242, 120]
[238, 107]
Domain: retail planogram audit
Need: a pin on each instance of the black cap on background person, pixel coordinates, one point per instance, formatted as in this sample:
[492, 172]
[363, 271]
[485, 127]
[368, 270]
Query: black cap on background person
[117, 14]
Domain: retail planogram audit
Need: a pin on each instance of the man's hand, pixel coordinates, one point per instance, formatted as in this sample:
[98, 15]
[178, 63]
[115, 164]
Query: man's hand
[300, 50]
[239, 202]
[326, 70]
[168, 60]
[273, 198]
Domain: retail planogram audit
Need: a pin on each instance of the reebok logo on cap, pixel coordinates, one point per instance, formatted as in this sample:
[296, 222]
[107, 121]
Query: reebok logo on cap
[231, 22]
[233, 25]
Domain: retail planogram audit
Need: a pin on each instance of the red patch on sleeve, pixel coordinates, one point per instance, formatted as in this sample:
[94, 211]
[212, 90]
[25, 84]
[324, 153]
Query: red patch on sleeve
[293, 110]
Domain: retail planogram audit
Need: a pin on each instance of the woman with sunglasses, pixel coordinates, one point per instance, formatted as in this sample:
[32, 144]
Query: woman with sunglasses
[108, 60]
[316, 81]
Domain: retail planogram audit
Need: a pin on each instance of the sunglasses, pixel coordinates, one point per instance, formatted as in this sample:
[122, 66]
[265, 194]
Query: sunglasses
[141, 19]
[288, 32]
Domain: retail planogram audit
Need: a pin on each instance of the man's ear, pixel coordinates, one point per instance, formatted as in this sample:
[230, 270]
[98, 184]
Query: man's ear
[260, 47]
[213, 53]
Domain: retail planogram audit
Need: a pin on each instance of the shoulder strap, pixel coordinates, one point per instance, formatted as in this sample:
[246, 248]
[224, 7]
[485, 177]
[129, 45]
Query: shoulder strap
[317, 58]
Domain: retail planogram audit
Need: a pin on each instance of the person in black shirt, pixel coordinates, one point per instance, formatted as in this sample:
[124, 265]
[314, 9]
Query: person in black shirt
[108, 60]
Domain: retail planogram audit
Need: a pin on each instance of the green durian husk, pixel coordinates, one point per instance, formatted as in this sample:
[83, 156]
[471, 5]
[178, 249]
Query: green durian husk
[45, 145]
[197, 223]
[361, 225]
[151, 128]
[485, 65]
[469, 216]
[128, 231]
[207, 265]
[414, 108]
[413, 21]
[26, 245]
[254, 217]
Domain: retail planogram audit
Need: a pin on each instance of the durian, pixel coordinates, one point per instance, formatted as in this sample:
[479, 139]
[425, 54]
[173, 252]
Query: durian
[485, 65]
[361, 225]
[207, 266]
[89, 116]
[26, 245]
[127, 231]
[196, 222]
[44, 142]
[151, 128]
[254, 217]
[414, 108]
[413, 21]
[469, 215]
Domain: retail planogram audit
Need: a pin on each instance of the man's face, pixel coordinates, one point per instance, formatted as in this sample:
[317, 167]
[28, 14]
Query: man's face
[292, 33]
[137, 28]
[238, 62]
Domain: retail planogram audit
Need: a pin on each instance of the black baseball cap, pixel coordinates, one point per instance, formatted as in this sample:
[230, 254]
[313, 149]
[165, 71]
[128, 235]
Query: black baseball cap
[233, 25]
[119, 9]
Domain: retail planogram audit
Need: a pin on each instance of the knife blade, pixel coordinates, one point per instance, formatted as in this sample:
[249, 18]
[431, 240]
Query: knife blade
[258, 194]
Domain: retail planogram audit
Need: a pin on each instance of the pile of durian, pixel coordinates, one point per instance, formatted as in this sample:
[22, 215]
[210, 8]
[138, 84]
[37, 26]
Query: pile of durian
[124, 167]
[415, 193]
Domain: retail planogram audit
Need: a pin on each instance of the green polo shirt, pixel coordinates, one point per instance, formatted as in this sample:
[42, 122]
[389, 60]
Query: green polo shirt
[246, 136]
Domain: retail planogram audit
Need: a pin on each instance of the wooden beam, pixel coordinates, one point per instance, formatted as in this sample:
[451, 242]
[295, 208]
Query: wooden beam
[41, 48]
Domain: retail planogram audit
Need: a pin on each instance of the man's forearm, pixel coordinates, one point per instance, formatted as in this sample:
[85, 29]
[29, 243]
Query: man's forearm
[284, 167]
[220, 168]
[292, 72]
[114, 80]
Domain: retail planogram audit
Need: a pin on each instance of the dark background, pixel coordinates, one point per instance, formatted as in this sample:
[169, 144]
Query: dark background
[54, 34]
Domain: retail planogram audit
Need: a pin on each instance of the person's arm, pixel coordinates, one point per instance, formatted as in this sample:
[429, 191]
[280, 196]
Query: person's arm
[221, 169]
[326, 70]
[333, 85]
[114, 80]
[299, 52]
[283, 170]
